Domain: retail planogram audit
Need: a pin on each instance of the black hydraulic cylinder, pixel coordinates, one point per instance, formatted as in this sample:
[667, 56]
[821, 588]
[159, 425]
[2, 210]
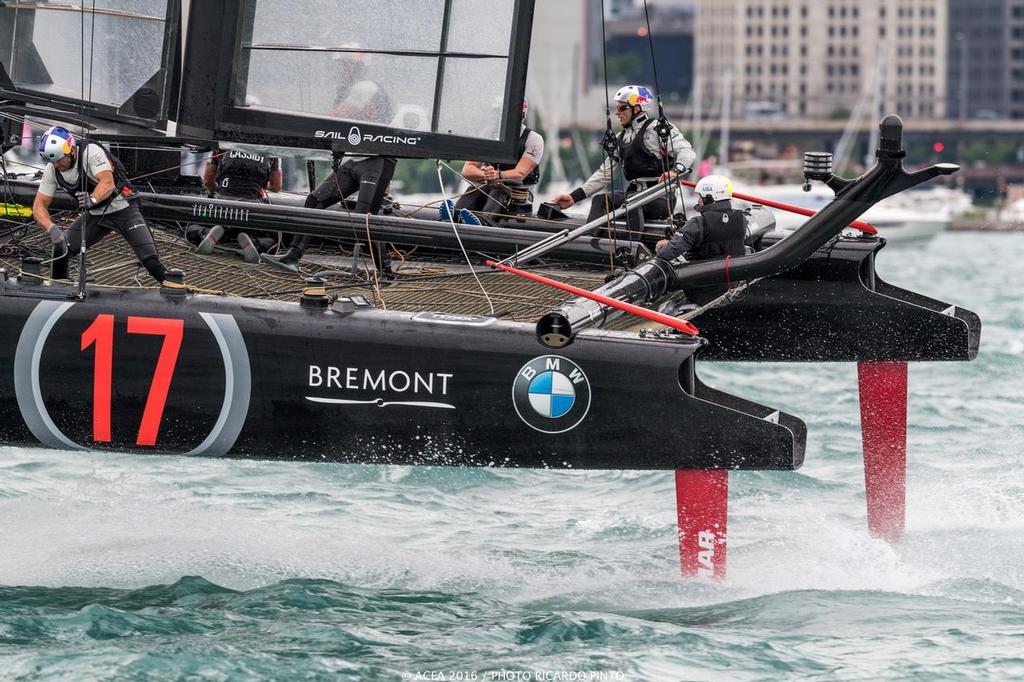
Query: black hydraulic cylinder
[639, 285]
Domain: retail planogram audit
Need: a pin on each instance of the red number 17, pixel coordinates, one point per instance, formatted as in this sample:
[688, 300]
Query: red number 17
[101, 333]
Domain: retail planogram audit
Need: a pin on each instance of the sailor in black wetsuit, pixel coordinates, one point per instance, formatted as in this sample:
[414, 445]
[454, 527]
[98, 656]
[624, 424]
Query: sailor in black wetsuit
[367, 175]
[717, 231]
[360, 99]
[106, 199]
[645, 161]
[240, 176]
[505, 188]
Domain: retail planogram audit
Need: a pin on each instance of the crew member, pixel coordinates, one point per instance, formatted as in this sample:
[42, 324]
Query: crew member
[717, 231]
[504, 188]
[645, 161]
[240, 176]
[106, 199]
[365, 176]
[368, 177]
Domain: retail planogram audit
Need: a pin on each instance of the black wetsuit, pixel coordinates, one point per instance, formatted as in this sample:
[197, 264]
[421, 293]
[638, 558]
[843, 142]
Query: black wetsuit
[358, 99]
[369, 177]
[241, 176]
[128, 221]
[718, 230]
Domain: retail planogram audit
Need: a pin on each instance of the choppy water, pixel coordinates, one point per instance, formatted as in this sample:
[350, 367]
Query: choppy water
[162, 568]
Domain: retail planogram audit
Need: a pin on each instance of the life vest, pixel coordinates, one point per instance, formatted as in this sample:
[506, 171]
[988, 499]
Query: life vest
[242, 174]
[636, 160]
[724, 233]
[122, 186]
[533, 177]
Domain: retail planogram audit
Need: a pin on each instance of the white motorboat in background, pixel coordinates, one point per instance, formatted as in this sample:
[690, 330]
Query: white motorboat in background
[897, 221]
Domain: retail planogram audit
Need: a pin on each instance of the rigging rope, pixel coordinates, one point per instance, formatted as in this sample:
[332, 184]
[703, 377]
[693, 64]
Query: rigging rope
[451, 220]
[729, 296]
[663, 127]
[376, 266]
[610, 145]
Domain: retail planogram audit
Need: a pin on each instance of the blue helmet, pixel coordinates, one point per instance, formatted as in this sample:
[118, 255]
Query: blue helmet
[56, 143]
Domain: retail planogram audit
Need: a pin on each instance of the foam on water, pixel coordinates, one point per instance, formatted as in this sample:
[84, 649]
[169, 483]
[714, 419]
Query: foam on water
[364, 572]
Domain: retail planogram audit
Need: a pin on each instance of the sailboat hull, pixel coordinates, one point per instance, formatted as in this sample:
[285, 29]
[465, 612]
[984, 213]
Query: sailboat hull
[160, 372]
[835, 308]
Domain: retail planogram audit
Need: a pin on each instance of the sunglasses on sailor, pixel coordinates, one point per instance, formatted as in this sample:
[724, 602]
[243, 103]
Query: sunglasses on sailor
[622, 107]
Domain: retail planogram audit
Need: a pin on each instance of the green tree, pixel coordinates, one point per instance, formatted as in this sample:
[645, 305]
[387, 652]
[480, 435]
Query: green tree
[625, 68]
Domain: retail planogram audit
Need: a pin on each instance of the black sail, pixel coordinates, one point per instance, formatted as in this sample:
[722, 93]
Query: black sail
[430, 79]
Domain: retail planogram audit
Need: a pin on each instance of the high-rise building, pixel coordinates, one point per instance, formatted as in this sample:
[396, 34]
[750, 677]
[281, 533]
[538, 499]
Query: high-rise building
[1014, 65]
[822, 58]
[977, 74]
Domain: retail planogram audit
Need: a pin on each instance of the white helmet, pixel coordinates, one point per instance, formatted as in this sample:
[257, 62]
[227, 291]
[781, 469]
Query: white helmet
[713, 188]
[637, 96]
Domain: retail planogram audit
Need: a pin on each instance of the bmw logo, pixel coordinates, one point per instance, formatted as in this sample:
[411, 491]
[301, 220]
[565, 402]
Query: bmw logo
[354, 135]
[551, 394]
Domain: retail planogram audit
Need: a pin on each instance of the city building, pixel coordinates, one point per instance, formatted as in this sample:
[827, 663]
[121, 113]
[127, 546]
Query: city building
[566, 37]
[986, 41]
[822, 59]
[977, 73]
[566, 74]
[1014, 66]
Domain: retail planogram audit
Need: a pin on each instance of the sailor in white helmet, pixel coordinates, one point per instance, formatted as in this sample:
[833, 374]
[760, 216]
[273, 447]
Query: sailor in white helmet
[645, 160]
[717, 231]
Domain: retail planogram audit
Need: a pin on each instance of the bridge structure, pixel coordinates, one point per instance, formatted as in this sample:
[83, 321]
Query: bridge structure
[804, 130]
[986, 177]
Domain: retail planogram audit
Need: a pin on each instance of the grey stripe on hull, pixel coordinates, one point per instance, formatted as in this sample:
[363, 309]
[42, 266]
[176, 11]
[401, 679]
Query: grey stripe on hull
[26, 375]
[237, 386]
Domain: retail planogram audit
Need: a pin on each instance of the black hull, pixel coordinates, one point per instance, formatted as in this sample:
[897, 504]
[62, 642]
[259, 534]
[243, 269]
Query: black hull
[832, 307]
[835, 308]
[353, 384]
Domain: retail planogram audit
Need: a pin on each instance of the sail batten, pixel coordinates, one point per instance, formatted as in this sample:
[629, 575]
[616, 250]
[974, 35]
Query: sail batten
[345, 50]
[80, 9]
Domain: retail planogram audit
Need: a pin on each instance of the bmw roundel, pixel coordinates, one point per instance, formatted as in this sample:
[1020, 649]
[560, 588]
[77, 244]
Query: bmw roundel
[551, 394]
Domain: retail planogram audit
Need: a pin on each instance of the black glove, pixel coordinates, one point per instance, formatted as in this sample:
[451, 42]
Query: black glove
[85, 201]
[56, 234]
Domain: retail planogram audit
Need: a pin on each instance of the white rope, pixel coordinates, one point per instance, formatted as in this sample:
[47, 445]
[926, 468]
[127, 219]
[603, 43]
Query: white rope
[451, 221]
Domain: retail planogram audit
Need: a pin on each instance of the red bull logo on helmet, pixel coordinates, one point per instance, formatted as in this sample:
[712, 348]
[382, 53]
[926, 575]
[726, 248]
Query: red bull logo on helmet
[56, 143]
[636, 96]
[641, 95]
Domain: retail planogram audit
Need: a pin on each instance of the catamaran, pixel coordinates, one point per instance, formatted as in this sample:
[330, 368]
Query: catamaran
[509, 357]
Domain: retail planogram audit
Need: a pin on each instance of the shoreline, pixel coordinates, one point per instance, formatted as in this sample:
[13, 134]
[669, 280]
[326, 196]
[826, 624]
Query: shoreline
[983, 225]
